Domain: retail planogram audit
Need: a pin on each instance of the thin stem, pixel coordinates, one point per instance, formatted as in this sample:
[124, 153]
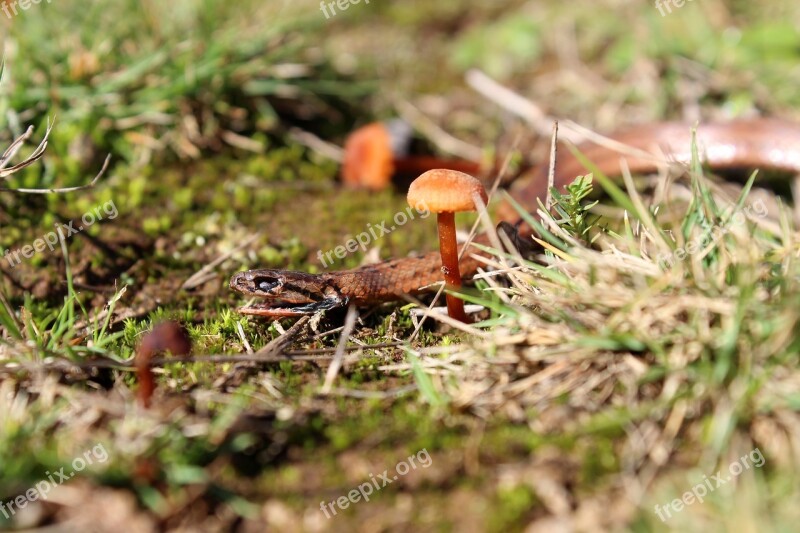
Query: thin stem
[452, 275]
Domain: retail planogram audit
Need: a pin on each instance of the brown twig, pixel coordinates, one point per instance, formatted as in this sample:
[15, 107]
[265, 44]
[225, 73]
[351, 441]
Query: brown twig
[267, 354]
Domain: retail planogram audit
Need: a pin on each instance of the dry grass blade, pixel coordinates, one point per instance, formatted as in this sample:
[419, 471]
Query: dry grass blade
[15, 147]
[443, 140]
[62, 189]
[336, 364]
[206, 272]
[37, 154]
[249, 364]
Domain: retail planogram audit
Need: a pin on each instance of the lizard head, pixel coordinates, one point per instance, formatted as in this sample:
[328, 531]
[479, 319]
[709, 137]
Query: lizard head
[283, 293]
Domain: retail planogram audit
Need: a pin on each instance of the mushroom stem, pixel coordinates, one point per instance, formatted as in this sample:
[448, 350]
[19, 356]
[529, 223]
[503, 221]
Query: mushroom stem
[452, 275]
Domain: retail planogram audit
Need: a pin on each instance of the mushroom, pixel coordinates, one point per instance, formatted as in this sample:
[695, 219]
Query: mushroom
[373, 153]
[446, 192]
[369, 157]
[165, 337]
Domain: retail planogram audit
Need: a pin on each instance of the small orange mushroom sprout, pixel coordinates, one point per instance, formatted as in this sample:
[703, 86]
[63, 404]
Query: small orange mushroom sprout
[368, 158]
[376, 152]
[446, 192]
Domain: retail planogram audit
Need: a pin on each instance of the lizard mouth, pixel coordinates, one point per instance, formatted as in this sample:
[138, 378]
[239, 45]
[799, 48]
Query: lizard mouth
[281, 308]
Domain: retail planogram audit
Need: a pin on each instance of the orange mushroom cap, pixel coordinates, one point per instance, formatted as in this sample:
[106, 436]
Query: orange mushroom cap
[368, 158]
[442, 190]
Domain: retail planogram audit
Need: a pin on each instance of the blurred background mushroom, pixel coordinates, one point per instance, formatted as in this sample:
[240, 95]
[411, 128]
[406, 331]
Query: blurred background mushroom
[374, 153]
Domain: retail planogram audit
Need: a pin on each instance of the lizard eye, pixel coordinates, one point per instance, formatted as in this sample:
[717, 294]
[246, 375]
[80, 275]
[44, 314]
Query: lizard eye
[267, 284]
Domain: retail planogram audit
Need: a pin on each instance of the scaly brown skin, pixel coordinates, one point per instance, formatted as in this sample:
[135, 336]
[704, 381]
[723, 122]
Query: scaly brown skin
[767, 144]
[284, 293]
